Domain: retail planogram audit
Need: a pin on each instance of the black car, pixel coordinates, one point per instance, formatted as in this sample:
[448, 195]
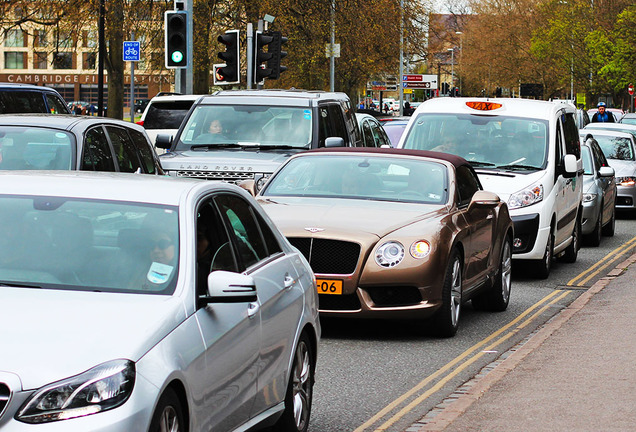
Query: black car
[67, 142]
[27, 98]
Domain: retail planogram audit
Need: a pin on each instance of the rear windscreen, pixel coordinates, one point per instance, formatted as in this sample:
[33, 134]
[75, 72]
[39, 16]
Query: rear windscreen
[166, 115]
[15, 102]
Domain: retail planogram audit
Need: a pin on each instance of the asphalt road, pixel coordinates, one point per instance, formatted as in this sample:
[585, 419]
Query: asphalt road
[378, 375]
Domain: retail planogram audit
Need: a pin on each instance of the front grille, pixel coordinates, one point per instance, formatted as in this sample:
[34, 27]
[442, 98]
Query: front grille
[5, 395]
[394, 296]
[226, 176]
[347, 302]
[328, 256]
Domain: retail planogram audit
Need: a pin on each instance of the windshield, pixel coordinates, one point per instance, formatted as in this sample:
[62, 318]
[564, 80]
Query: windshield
[258, 125]
[28, 148]
[87, 245]
[362, 177]
[615, 147]
[485, 141]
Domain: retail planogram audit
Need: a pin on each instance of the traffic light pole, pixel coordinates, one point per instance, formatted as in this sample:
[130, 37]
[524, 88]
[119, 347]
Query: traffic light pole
[259, 86]
[250, 54]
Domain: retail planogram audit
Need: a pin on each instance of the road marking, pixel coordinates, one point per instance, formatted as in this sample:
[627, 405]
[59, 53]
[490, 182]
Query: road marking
[559, 294]
[602, 264]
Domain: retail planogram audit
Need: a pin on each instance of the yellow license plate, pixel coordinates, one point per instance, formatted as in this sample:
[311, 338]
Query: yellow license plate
[329, 286]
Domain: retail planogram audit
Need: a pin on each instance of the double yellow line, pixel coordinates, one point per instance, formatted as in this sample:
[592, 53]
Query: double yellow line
[442, 376]
[611, 257]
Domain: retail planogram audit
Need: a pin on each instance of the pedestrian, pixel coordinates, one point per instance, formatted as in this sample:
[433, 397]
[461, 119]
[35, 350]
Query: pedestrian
[602, 115]
[386, 108]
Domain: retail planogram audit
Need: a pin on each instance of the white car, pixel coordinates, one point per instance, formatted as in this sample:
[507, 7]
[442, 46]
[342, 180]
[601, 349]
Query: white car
[144, 303]
[526, 151]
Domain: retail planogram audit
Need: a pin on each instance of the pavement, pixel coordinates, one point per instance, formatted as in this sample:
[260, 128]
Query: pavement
[576, 373]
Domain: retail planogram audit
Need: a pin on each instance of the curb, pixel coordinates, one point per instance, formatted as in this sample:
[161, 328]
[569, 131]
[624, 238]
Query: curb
[450, 413]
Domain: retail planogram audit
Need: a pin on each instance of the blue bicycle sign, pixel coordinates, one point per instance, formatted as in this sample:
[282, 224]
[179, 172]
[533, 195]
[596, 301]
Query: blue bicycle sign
[132, 51]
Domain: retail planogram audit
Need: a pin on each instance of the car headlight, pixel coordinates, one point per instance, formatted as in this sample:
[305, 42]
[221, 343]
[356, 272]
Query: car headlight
[389, 254]
[261, 182]
[626, 181]
[526, 197]
[99, 389]
[589, 197]
[420, 249]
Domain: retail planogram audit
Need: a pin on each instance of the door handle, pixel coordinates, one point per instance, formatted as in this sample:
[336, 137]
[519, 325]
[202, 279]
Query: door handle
[252, 309]
[289, 281]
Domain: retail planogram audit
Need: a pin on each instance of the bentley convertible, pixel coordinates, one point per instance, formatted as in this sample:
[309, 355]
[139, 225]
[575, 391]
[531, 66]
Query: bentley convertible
[394, 233]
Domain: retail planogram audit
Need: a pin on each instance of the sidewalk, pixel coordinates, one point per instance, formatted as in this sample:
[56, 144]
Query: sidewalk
[577, 373]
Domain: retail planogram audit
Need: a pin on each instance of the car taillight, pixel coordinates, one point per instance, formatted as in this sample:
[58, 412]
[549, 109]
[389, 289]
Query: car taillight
[140, 122]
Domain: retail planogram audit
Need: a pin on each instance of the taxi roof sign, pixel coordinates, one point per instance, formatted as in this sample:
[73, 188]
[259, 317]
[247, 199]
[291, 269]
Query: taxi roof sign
[483, 106]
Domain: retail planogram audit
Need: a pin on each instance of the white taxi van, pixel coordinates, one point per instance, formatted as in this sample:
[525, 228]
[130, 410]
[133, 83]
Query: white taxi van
[528, 152]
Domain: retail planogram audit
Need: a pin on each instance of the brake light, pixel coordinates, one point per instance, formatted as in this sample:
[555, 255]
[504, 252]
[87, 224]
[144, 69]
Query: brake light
[140, 122]
[484, 106]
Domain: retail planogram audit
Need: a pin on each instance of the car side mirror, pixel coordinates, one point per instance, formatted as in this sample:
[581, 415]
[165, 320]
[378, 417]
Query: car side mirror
[248, 185]
[163, 141]
[334, 142]
[229, 287]
[606, 171]
[570, 166]
[484, 198]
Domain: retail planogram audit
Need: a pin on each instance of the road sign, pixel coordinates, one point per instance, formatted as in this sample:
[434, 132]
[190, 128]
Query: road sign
[412, 77]
[630, 89]
[132, 51]
[418, 81]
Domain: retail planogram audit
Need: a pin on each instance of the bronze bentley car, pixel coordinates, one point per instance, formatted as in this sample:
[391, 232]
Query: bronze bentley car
[394, 233]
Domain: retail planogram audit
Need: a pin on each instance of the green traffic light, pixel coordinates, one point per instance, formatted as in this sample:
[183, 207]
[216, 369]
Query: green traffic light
[177, 56]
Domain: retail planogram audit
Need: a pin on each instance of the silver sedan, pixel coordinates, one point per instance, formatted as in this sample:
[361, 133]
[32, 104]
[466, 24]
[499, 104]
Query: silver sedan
[143, 303]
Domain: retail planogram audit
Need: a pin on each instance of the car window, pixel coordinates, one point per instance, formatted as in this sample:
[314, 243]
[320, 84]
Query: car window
[598, 153]
[572, 143]
[243, 228]
[324, 126]
[145, 151]
[17, 102]
[97, 155]
[166, 115]
[56, 105]
[616, 147]
[338, 124]
[26, 148]
[379, 135]
[125, 150]
[367, 134]
[467, 185]
[588, 165]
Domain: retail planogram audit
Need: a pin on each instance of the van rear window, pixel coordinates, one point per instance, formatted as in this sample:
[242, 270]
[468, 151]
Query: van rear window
[166, 115]
[18, 102]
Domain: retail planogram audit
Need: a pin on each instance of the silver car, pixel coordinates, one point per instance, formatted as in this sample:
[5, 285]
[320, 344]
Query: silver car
[142, 303]
[599, 193]
[620, 150]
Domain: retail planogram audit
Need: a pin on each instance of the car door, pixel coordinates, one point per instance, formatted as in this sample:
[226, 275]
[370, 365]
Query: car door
[563, 224]
[481, 221]
[280, 297]
[607, 183]
[124, 150]
[571, 187]
[147, 155]
[96, 151]
[224, 394]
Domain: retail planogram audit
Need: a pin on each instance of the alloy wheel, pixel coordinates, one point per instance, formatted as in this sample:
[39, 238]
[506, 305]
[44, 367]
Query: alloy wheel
[302, 386]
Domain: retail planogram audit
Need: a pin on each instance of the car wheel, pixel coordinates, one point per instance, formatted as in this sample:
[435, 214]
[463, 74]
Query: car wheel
[299, 393]
[447, 317]
[168, 416]
[542, 267]
[572, 251]
[496, 299]
[594, 238]
[608, 229]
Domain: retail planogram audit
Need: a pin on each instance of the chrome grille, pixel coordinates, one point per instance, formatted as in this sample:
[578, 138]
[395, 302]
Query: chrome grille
[328, 256]
[226, 176]
[5, 395]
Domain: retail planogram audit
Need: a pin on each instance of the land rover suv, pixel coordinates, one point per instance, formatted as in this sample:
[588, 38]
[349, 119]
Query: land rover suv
[246, 134]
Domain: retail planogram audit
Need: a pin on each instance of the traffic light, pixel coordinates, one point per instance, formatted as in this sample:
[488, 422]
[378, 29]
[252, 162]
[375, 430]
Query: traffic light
[276, 49]
[445, 87]
[261, 72]
[230, 73]
[176, 40]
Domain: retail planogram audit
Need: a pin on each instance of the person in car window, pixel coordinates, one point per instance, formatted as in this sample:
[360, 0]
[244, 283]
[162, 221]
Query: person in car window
[214, 133]
[602, 116]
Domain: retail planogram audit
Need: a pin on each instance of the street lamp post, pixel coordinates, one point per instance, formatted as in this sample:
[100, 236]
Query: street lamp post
[461, 54]
[452, 50]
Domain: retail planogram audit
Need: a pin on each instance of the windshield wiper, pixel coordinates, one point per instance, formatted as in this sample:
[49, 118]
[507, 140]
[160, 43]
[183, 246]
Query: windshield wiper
[481, 164]
[211, 146]
[18, 285]
[518, 167]
[275, 147]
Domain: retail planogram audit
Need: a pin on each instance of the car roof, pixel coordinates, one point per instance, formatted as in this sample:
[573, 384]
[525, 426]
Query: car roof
[140, 188]
[61, 121]
[513, 107]
[175, 97]
[604, 132]
[16, 86]
[456, 161]
[609, 126]
[282, 97]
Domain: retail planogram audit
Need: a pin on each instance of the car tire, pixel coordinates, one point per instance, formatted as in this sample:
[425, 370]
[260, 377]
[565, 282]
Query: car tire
[446, 319]
[541, 268]
[299, 394]
[594, 238]
[168, 415]
[609, 228]
[571, 252]
[496, 299]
